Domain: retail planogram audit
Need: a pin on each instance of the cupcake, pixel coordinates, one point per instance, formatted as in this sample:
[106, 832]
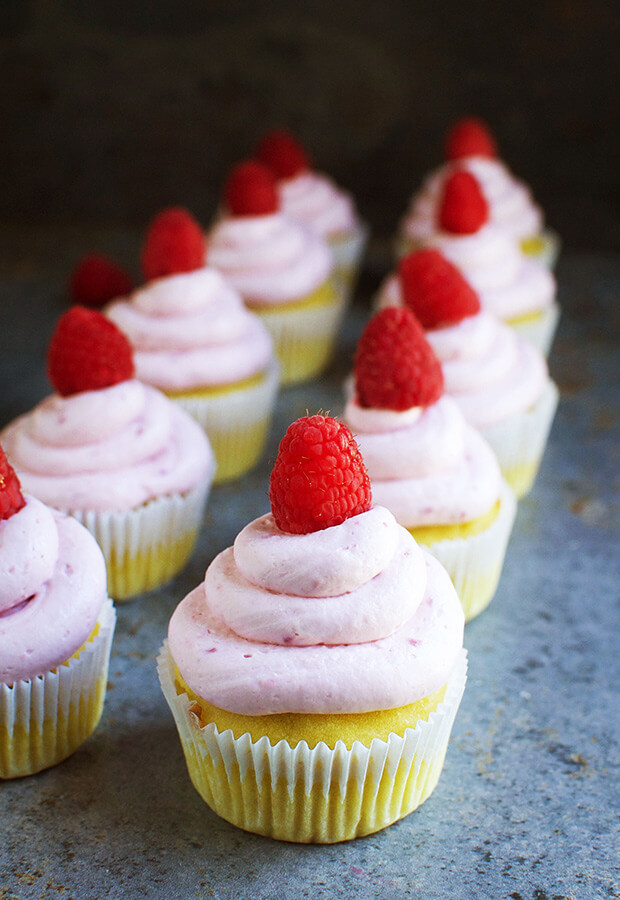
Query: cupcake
[317, 202]
[56, 627]
[499, 381]
[427, 465]
[518, 290]
[283, 271]
[115, 453]
[471, 146]
[97, 279]
[194, 339]
[315, 674]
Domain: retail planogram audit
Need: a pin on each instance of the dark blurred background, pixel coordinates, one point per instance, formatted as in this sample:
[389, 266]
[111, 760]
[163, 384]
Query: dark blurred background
[110, 110]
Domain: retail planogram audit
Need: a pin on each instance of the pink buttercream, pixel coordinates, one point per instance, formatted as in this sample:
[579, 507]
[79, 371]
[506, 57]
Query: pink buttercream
[428, 469]
[110, 449]
[269, 259]
[52, 588]
[192, 330]
[390, 640]
[318, 203]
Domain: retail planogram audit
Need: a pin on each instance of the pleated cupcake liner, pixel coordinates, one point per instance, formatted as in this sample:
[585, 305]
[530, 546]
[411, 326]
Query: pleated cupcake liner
[236, 422]
[547, 246]
[519, 443]
[146, 546]
[319, 794]
[540, 329]
[44, 719]
[347, 250]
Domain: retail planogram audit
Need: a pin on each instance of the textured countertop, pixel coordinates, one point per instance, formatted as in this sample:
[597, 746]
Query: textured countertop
[527, 805]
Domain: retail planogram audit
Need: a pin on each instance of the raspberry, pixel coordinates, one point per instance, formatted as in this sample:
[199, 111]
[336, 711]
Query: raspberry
[250, 190]
[395, 367]
[463, 209]
[11, 498]
[283, 154]
[97, 279]
[319, 478]
[435, 290]
[469, 136]
[87, 352]
[174, 243]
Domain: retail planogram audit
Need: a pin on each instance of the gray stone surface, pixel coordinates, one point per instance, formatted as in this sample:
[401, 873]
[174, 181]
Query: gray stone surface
[527, 805]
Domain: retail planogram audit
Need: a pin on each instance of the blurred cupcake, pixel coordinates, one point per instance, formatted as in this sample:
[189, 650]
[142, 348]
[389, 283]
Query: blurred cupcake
[115, 453]
[56, 627]
[194, 339]
[516, 289]
[283, 271]
[427, 465]
[97, 279]
[317, 202]
[315, 674]
[471, 146]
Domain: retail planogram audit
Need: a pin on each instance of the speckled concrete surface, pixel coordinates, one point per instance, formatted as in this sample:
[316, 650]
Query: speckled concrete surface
[527, 804]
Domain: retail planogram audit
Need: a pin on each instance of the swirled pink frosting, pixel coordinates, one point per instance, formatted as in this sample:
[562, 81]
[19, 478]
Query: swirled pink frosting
[52, 588]
[511, 205]
[318, 203]
[426, 465]
[110, 449]
[269, 259]
[192, 330]
[489, 370]
[359, 619]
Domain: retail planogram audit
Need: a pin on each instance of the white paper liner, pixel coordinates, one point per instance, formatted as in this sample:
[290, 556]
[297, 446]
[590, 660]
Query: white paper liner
[316, 795]
[347, 251]
[146, 546]
[550, 249]
[54, 713]
[475, 563]
[539, 331]
[519, 442]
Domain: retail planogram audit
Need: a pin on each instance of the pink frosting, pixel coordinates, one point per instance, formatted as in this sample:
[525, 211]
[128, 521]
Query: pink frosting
[315, 200]
[110, 449]
[427, 465]
[510, 201]
[192, 330]
[269, 259]
[388, 640]
[52, 588]
[489, 370]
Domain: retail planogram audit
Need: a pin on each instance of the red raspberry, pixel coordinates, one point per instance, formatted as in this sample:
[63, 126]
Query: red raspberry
[11, 498]
[97, 279]
[174, 243]
[87, 352]
[435, 290]
[463, 208]
[319, 478]
[283, 154]
[250, 190]
[395, 367]
[470, 136]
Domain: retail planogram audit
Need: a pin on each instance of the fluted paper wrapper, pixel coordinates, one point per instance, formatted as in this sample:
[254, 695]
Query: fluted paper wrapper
[146, 546]
[44, 719]
[475, 563]
[520, 442]
[236, 422]
[317, 795]
[347, 250]
[539, 330]
[546, 248]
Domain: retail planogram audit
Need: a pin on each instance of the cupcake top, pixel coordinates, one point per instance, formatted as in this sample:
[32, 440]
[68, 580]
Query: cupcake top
[426, 464]
[326, 605]
[268, 257]
[188, 328]
[306, 195]
[52, 583]
[104, 441]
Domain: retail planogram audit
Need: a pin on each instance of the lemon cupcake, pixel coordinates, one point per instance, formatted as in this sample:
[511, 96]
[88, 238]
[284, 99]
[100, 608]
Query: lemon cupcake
[115, 453]
[283, 271]
[432, 470]
[194, 339]
[315, 674]
[56, 627]
[317, 202]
